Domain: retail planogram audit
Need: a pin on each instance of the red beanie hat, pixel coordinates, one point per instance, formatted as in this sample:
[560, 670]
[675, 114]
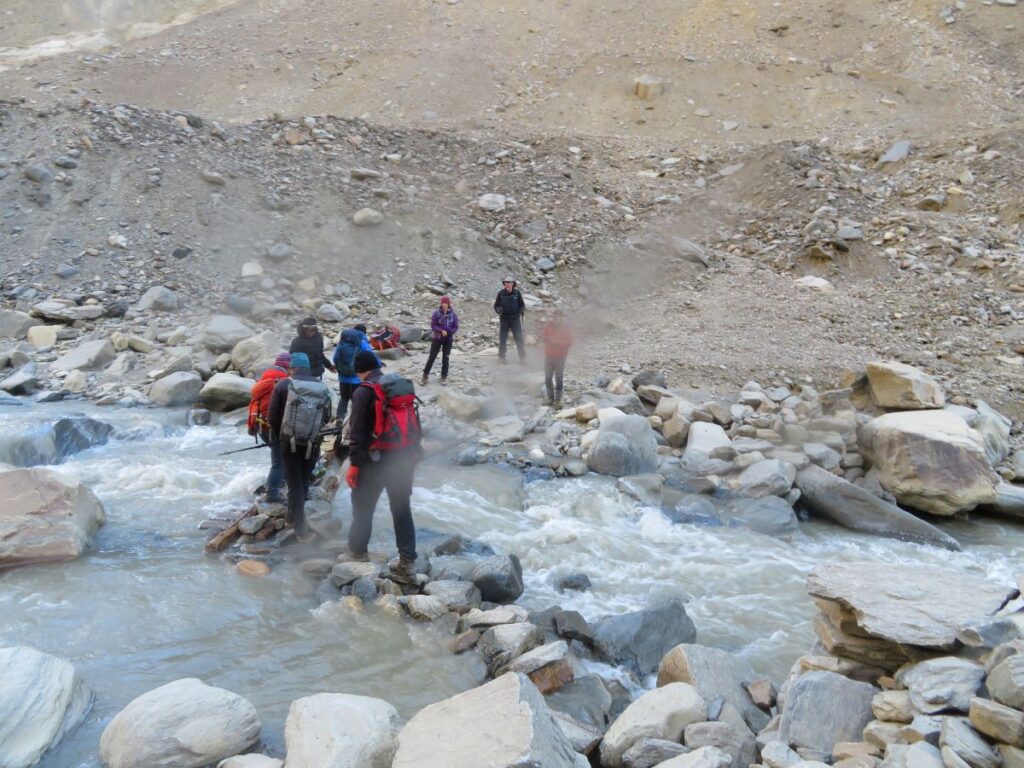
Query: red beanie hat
[446, 300]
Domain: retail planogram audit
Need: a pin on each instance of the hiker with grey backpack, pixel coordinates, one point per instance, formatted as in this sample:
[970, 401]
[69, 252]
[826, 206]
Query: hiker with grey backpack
[300, 408]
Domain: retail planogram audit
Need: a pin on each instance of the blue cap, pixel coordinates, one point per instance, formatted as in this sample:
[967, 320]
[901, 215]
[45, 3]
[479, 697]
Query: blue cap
[300, 360]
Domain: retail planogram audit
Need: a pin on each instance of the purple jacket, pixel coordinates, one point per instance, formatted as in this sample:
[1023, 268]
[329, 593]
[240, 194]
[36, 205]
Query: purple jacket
[443, 321]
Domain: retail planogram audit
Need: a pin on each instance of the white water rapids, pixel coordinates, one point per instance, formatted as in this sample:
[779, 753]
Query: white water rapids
[146, 606]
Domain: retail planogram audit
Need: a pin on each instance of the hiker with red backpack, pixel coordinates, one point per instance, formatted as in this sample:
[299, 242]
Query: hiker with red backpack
[259, 422]
[300, 407]
[444, 324]
[384, 449]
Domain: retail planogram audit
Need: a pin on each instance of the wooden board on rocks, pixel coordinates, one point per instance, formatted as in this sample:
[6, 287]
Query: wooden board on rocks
[912, 605]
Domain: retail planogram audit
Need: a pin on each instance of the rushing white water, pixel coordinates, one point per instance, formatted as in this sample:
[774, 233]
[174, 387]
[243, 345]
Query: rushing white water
[146, 606]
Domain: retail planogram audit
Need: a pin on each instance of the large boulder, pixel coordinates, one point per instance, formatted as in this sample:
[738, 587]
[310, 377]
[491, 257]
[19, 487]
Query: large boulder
[337, 730]
[158, 298]
[225, 392]
[823, 708]
[769, 477]
[902, 387]
[944, 684]
[255, 354]
[502, 724]
[15, 324]
[625, 445]
[855, 508]
[42, 698]
[1006, 682]
[86, 356]
[909, 604]
[703, 437]
[178, 388]
[54, 441]
[44, 517]
[713, 673]
[184, 724]
[662, 713]
[498, 577]
[930, 460]
[640, 639]
[222, 332]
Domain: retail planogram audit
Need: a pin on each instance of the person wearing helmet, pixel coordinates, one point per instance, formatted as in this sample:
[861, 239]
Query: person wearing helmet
[510, 308]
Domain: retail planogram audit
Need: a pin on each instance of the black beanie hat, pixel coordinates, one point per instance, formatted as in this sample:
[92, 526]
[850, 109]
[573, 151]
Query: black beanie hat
[366, 361]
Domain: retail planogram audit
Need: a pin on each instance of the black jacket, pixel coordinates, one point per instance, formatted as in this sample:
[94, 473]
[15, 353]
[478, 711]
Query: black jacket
[362, 414]
[313, 346]
[279, 398]
[509, 305]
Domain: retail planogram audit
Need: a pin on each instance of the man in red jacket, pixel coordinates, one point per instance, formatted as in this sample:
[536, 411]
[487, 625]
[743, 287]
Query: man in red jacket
[557, 336]
[259, 423]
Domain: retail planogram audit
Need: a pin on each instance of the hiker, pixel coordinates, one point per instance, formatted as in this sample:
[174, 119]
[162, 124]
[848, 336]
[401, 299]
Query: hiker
[300, 407]
[259, 423]
[510, 308]
[444, 324]
[557, 336]
[352, 341]
[385, 447]
[311, 343]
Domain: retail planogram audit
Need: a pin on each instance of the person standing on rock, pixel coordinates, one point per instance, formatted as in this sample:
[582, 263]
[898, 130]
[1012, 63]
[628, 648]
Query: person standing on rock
[352, 341]
[311, 343]
[385, 448]
[259, 423]
[510, 308]
[444, 324]
[557, 336]
[300, 407]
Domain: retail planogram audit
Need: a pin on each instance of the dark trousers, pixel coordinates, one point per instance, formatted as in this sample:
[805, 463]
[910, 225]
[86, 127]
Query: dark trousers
[345, 390]
[275, 478]
[514, 324]
[444, 346]
[554, 368]
[392, 473]
[297, 471]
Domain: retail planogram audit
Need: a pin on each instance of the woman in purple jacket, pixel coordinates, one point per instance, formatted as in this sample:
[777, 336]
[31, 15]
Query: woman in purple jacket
[444, 324]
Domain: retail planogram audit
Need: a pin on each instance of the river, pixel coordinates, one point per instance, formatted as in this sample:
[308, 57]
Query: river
[146, 606]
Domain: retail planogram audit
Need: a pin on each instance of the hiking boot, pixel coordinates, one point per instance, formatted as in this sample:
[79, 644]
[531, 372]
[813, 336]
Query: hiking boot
[423, 380]
[354, 557]
[444, 381]
[402, 570]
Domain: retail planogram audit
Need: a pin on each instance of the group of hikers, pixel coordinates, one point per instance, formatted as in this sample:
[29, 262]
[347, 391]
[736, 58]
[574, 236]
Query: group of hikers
[377, 419]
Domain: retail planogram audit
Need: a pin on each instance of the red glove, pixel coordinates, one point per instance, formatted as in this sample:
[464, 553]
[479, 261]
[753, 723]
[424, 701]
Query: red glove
[352, 477]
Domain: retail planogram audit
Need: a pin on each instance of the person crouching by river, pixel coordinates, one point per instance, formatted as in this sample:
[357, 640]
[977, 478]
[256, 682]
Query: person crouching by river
[259, 423]
[300, 407]
[385, 448]
[557, 337]
[309, 341]
[444, 324]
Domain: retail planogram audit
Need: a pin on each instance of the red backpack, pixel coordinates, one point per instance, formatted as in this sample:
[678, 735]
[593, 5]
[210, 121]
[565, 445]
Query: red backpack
[396, 414]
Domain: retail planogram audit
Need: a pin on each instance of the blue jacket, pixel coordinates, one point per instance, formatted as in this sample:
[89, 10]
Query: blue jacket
[365, 345]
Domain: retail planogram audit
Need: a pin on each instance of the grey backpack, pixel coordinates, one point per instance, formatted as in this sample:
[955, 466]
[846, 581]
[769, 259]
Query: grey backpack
[306, 411]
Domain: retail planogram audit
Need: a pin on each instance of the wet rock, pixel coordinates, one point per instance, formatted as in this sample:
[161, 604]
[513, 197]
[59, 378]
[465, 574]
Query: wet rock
[225, 392]
[184, 724]
[504, 723]
[771, 515]
[222, 332]
[924, 606]
[648, 753]
[694, 509]
[549, 667]
[24, 381]
[577, 582]
[1006, 682]
[53, 442]
[997, 721]
[504, 614]
[640, 639]
[930, 460]
[425, 607]
[159, 298]
[254, 524]
[14, 324]
[86, 356]
[336, 730]
[900, 387]
[663, 713]
[588, 700]
[941, 685]
[823, 708]
[459, 596]
[345, 573]
[502, 643]
[625, 445]
[855, 508]
[770, 477]
[958, 736]
[570, 625]
[42, 699]
[44, 517]
[499, 578]
[714, 673]
[179, 388]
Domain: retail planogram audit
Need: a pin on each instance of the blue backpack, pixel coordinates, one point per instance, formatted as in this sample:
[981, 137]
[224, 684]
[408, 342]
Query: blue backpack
[345, 354]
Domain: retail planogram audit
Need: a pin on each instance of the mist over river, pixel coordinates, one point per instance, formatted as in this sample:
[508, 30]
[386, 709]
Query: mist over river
[146, 605]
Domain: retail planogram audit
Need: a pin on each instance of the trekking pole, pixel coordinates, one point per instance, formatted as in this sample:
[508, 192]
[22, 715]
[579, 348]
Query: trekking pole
[322, 434]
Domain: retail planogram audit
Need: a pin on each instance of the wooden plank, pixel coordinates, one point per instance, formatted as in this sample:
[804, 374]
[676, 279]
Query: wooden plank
[223, 539]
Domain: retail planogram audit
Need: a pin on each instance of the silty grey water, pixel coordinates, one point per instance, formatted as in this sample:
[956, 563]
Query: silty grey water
[146, 606]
